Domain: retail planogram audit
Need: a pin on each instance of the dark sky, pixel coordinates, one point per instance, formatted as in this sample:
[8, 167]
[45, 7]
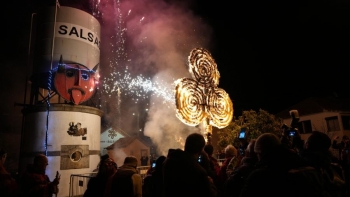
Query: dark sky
[276, 53]
[270, 54]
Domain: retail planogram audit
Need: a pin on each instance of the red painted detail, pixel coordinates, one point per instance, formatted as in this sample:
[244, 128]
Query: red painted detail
[75, 83]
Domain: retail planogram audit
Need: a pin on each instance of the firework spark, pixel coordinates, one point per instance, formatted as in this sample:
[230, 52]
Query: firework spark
[139, 86]
[120, 78]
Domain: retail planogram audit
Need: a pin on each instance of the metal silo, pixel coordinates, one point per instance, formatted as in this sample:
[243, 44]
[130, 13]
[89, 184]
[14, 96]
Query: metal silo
[68, 133]
[76, 37]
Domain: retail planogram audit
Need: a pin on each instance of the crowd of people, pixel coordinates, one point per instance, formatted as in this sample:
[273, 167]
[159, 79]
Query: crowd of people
[34, 182]
[268, 166]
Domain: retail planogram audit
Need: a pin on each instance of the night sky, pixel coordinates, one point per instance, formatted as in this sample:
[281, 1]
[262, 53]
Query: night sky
[270, 54]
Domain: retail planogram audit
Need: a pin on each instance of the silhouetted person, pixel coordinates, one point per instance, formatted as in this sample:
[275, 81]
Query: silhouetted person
[126, 182]
[8, 185]
[222, 154]
[344, 156]
[97, 185]
[209, 149]
[204, 161]
[344, 149]
[153, 183]
[236, 180]
[144, 160]
[230, 154]
[210, 163]
[270, 176]
[35, 182]
[317, 155]
[183, 175]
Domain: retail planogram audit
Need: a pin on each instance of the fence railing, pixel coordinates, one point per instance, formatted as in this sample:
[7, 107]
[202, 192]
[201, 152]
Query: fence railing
[143, 171]
[78, 182]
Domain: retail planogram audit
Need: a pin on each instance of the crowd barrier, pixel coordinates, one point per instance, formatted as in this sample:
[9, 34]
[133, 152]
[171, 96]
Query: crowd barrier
[78, 182]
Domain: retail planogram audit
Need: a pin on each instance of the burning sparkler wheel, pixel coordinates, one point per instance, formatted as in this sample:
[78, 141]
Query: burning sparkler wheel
[219, 107]
[189, 102]
[203, 67]
[200, 99]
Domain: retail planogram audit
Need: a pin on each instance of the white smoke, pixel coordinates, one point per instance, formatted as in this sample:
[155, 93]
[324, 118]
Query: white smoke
[164, 40]
[160, 36]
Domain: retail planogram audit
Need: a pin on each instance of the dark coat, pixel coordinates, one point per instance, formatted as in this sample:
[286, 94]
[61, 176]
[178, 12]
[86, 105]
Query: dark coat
[236, 180]
[332, 177]
[36, 184]
[8, 185]
[270, 176]
[183, 176]
[96, 187]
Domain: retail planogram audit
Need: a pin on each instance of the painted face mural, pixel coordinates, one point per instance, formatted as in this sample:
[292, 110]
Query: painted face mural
[75, 82]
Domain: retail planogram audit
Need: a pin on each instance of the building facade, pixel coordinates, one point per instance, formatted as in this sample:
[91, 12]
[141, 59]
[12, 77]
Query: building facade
[328, 115]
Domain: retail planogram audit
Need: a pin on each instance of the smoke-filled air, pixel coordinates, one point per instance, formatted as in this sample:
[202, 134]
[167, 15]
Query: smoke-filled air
[145, 46]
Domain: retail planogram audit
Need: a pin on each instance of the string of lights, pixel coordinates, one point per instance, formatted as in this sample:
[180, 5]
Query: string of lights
[48, 109]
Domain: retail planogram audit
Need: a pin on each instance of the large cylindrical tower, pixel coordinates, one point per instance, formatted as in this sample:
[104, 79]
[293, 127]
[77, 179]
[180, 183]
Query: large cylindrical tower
[76, 37]
[59, 121]
[71, 142]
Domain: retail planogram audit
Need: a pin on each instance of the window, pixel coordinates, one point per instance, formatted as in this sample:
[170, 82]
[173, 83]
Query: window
[305, 126]
[346, 122]
[332, 123]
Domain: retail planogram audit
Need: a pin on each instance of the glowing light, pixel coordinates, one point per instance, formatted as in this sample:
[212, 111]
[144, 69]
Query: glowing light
[119, 80]
[95, 7]
[48, 110]
[180, 140]
[199, 100]
[138, 86]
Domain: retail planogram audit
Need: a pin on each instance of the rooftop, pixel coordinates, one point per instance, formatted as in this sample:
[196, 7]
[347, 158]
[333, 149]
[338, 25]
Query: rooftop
[316, 105]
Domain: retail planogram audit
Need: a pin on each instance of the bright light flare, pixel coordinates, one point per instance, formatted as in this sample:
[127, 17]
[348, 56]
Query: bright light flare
[199, 99]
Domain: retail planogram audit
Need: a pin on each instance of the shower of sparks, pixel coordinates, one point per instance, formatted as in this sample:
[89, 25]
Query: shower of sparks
[118, 106]
[139, 86]
[119, 78]
[95, 7]
[142, 19]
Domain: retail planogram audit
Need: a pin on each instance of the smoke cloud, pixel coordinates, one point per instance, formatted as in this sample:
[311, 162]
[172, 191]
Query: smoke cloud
[152, 38]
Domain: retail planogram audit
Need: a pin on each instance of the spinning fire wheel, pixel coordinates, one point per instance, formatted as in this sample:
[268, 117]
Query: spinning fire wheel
[199, 100]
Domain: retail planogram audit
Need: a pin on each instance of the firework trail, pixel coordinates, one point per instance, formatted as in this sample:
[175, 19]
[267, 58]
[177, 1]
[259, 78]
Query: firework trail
[144, 50]
[119, 77]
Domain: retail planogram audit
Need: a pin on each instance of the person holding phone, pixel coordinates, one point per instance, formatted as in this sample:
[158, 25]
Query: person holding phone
[153, 182]
[183, 175]
[154, 164]
[97, 185]
[35, 182]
